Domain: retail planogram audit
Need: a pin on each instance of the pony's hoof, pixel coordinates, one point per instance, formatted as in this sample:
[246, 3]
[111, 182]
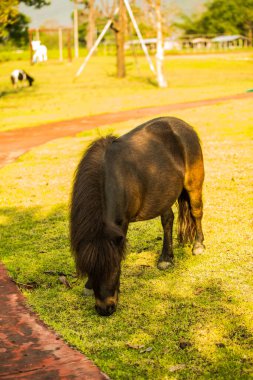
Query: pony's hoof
[162, 265]
[198, 249]
[87, 292]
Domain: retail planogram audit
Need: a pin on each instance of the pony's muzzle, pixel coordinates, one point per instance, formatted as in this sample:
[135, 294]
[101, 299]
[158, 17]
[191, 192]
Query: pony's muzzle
[107, 306]
[105, 311]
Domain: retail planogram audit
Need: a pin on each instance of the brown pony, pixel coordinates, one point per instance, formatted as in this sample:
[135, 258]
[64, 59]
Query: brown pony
[135, 177]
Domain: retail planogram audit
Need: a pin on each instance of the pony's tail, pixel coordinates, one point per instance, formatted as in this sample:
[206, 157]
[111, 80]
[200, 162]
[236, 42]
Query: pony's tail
[186, 223]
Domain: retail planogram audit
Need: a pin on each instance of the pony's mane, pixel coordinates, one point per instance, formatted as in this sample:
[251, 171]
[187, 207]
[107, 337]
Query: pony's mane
[97, 246]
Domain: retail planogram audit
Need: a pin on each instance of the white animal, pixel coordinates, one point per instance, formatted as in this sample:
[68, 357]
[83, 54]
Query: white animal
[20, 76]
[40, 52]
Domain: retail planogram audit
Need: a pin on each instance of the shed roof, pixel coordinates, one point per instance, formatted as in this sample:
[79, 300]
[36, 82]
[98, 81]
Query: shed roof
[228, 38]
[199, 39]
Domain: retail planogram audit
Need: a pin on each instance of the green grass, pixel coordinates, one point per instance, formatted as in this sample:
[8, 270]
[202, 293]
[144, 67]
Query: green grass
[54, 96]
[196, 318]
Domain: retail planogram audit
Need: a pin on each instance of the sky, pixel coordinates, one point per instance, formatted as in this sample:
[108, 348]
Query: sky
[60, 11]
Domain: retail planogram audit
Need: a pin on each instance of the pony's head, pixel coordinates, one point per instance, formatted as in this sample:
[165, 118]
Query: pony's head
[100, 259]
[30, 80]
[97, 243]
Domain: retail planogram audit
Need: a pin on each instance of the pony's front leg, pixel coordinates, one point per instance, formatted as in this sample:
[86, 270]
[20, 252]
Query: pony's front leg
[167, 257]
[88, 289]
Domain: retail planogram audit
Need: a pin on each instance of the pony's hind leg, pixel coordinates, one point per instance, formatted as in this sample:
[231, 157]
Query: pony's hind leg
[166, 258]
[193, 185]
[197, 213]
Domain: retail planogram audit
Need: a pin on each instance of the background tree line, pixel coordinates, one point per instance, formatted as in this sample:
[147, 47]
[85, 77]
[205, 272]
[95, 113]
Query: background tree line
[218, 17]
[14, 24]
[221, 17]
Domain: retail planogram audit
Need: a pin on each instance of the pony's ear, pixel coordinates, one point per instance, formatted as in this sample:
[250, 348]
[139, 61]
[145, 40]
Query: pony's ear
[114, 233]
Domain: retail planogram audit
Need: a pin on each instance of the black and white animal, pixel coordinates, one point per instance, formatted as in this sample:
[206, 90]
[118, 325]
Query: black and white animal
[20, 76]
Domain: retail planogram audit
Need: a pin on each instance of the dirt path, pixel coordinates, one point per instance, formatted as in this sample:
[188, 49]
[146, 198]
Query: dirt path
[28, 349]
[14, 143]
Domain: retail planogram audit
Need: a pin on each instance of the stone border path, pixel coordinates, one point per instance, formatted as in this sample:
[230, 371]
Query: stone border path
[31, 351]
[28, 349]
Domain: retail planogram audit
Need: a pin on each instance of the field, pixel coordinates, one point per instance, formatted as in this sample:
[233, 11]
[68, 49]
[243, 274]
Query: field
[54, 96]
[193, 321]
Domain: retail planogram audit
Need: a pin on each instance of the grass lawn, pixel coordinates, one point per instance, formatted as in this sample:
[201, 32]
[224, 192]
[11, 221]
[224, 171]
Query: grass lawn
[193, 321]
[54, 96]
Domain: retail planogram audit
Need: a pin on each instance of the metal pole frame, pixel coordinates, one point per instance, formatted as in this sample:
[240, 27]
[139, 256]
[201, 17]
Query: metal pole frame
[99, 39]
[108, 24]
[144, 47]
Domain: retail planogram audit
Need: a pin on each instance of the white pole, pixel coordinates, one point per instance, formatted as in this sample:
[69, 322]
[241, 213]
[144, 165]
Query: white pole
[96, 44]
[144, 47]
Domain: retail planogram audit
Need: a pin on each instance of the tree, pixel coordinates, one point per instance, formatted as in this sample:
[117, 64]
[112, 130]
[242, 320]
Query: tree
[144, 18]
[9, 12]
[222, 17]
[18, 30]
[91, 24]
[36, 3]
[119, 27]
[246, 22]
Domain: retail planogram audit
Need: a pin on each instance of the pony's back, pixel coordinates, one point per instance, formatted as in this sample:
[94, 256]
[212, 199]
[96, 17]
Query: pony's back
[173, 131]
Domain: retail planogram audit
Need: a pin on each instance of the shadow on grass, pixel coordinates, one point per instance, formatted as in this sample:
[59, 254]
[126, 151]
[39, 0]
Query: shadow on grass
[10, 92]
[17, 91]
[152, 82]
[33, 244]
[156, 332]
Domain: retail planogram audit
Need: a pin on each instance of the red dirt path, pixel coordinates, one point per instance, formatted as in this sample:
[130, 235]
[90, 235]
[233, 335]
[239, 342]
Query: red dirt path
[16, 142]
[28, 349]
